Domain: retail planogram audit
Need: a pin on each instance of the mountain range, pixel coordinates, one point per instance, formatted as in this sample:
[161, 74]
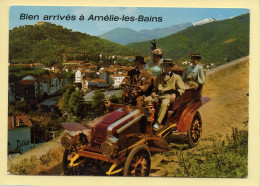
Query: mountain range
[217, 41]
[125, 36]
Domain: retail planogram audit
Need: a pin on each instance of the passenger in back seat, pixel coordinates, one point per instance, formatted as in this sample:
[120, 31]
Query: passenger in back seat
[194, 75]
[154, 66]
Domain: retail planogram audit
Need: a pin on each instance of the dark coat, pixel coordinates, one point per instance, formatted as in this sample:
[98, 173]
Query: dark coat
[143, 79]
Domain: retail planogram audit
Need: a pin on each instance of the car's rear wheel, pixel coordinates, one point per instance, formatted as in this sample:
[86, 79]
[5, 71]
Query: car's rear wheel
[195, 131]
[138, 162]
[68, 170]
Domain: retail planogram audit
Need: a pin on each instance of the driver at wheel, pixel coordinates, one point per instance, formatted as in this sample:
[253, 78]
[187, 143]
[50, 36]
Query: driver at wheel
[168, 86]
[139, 77]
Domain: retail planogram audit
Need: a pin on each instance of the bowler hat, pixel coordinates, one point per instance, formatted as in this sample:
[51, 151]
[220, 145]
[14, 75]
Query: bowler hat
[139, 59]
[195, 55]
[168, 61]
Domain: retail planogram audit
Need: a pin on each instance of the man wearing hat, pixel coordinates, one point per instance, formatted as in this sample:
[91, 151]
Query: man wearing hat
[194, 75]
[140, 78]
[168, 86]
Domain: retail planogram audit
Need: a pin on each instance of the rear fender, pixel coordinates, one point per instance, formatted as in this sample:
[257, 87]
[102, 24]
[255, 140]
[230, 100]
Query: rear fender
[188, 114]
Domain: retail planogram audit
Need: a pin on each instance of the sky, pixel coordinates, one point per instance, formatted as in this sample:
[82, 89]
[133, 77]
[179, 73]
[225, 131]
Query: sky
[29, 15]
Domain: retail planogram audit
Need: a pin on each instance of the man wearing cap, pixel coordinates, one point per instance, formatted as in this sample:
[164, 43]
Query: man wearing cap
[168, 86]
[154, 66]
[140, 78]
[194, 75]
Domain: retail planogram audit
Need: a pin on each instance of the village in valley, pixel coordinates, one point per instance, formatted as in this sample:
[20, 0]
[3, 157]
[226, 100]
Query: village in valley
[44, 90]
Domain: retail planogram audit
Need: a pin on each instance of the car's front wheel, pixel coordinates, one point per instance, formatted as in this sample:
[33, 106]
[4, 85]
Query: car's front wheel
[138, 162]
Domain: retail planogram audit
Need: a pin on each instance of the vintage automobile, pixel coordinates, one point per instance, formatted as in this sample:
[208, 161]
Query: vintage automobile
[121, 141]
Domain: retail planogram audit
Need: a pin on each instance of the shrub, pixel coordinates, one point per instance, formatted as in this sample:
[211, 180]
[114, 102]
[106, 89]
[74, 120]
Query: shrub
[25, 167]
[225, 159]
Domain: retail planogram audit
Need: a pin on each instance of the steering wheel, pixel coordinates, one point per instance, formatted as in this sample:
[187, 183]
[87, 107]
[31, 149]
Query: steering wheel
[130, 93]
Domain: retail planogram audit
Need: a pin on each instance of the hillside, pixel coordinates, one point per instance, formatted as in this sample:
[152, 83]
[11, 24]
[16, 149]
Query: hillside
[125, 35]
[218, 42]
[47, 43]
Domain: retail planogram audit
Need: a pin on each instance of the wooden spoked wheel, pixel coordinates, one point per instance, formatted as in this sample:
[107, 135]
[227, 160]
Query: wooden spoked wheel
[138, 162]
[195, 131]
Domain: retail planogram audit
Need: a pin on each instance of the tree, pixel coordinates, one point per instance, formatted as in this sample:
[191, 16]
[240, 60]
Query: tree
[76, 104]
[115, 99]
[98, 103]
[66, 87]
[64, 100]
[97, 99]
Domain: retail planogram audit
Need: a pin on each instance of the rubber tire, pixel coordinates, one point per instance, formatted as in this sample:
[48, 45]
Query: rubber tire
[134, 151]
[191, 142]
[65, 162]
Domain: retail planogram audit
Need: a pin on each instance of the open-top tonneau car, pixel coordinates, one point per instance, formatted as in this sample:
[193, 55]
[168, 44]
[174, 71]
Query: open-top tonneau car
[122, 139]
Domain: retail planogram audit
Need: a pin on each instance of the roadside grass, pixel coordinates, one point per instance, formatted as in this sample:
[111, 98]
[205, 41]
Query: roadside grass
[38, 165]
[217, 158]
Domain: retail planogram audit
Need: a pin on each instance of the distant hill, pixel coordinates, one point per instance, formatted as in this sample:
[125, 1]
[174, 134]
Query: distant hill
[163, 32]
[125, 35]
[46, 43]
[218, 41]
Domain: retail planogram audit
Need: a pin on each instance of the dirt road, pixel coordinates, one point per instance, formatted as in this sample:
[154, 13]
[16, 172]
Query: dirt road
[227, 109]
[229, 102]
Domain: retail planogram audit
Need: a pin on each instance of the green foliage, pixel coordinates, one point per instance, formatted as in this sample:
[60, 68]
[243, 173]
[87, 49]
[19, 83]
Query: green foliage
[64, 100]
[71, 88]
[218, 42]
[97, 99]
[47, 44]
[222, 159]
[115, 99]
[76, 103]
[21, 107]
[18, 72]
[123, 62]
[69, 76]
[98, 103]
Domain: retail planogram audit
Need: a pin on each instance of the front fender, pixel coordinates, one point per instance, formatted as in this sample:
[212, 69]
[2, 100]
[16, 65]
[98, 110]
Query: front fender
[155, 143]
[188, 114]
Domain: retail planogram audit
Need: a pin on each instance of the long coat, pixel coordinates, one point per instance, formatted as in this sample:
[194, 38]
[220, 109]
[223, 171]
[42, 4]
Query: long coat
[171, 82]
[143, 79]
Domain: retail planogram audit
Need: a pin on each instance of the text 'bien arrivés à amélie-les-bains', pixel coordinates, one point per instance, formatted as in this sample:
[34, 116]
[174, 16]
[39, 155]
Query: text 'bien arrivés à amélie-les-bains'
[92, 17]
